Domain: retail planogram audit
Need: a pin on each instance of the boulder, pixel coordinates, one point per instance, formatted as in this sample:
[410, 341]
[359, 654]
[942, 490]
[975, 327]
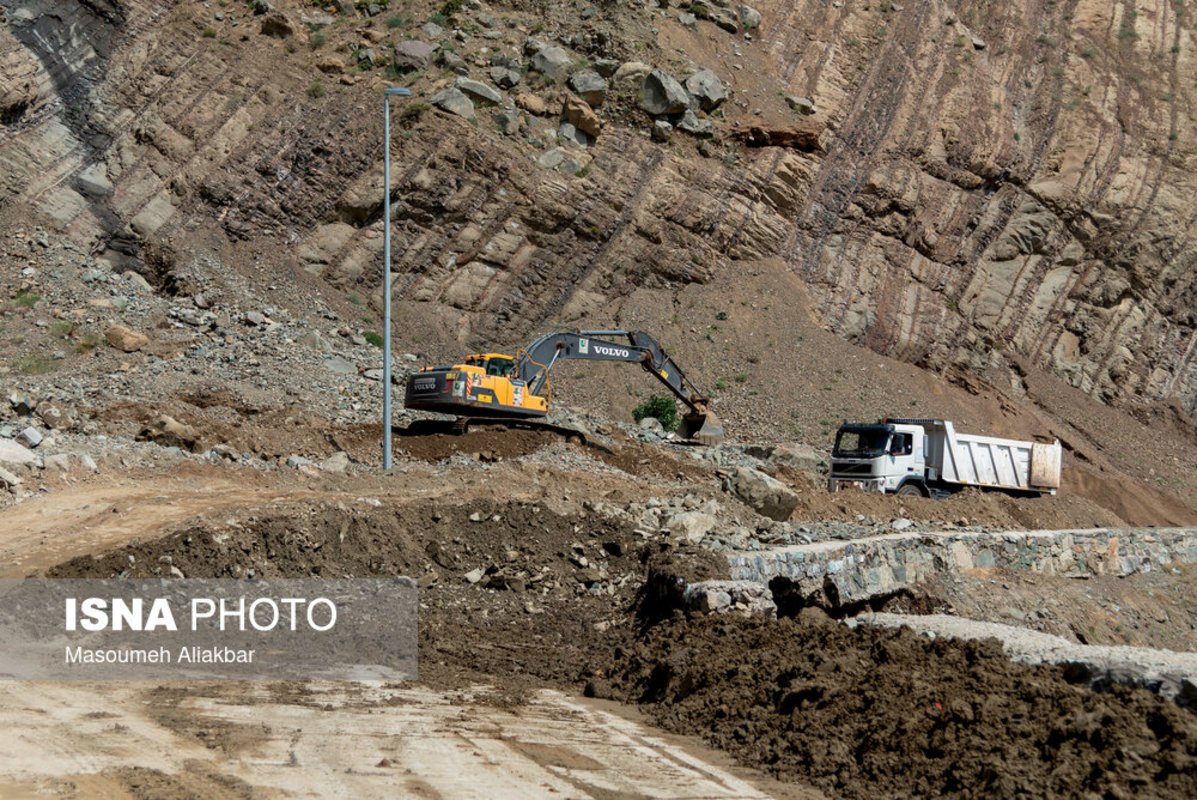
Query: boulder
[581, 115]
[30, 437]
[690, 123]
[803, 105]
[661, 94]
[727, 21]
[749, 17]
[451, 60]
[606, 66]
[662, 131]
[509, 121]
[336, 463]
[720, 597]
[126, 340]
[764, 494]
[278, 26]
[477, 90]
[15, 454]
[21, 403]
[9, 480]
[707, 89]
[590, 86]
[532, 104]
[691, 525]
[55, 417]
[411, 55]
[553, 62]
[630, 75]
[59, 462]
[798, 456]
[169, 432]
[505, 77]
[454, 101]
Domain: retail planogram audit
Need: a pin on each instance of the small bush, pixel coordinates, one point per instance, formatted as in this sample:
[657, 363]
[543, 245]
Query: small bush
[662, 407]
[721, 315]
[318, 40]
[36, 365]
[451, 7]
[373, 338]
[721, 384]
[26, 300]
[316, 89]
[740, 377]
[356, 299]
[62, 329]
[87, 343]
[395, 22]
[209, 33]
[584, 171]
[413, 111]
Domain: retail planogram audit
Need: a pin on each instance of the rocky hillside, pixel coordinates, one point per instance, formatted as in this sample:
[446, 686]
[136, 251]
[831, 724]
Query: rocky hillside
[965, 186]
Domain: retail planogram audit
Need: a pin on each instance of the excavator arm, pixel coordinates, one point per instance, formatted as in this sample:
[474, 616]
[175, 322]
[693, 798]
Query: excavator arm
[536, 360]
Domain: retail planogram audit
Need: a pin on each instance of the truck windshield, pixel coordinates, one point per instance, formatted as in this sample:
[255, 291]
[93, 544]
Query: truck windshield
[861, 442]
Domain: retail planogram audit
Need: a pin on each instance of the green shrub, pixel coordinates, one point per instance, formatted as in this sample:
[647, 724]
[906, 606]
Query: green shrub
[413, 111]
[740, 377]
[318, 40]
[316, 89]
[209, 33]
[373, 338]
[27, 300]
[663, 407]
[36, 365]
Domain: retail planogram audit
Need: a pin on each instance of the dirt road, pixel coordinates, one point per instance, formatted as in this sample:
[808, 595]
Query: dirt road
[218, 741]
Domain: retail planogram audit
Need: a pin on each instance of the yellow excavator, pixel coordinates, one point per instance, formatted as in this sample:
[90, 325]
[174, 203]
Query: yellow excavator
[496, 388]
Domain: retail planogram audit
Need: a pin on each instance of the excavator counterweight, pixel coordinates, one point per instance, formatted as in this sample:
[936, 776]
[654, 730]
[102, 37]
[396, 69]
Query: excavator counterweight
[498, 386]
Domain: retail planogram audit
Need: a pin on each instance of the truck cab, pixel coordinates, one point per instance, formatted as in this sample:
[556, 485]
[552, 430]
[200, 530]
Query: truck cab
[929, 457]
[879, 457]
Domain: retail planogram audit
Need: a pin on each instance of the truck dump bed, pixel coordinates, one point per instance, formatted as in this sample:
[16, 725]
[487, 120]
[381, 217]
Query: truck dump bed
[989, 461]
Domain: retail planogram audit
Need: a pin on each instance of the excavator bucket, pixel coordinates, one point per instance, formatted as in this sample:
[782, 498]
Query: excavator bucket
[704, 428]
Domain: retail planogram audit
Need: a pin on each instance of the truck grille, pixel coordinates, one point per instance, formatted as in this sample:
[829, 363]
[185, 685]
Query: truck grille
[848, 468]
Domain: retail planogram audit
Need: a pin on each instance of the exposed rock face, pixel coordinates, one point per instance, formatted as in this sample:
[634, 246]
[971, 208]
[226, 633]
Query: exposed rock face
[1031, 198]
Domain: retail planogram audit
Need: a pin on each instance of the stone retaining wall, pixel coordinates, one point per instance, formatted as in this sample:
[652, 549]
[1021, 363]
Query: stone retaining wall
[866, 567]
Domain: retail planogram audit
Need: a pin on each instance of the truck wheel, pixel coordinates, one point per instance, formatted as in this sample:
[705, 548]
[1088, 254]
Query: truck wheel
[911, 490]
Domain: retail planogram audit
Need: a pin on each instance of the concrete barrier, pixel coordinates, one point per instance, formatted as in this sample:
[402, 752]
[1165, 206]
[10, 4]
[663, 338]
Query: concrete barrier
[862, 568]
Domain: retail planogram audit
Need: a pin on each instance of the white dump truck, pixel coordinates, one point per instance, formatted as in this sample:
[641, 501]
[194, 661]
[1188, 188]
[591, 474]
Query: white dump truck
[929, 457]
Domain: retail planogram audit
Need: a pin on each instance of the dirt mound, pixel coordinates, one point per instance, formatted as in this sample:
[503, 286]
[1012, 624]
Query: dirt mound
[969, 507]
[853, 711]
[510, 590]
[484, 444]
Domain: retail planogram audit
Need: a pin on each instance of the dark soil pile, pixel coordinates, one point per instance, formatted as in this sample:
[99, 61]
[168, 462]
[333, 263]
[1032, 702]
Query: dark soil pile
[867, 712]
[520, 597]
[511, 593]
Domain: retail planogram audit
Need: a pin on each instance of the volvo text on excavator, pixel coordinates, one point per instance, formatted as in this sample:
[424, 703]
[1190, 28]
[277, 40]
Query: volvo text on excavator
[494, 387]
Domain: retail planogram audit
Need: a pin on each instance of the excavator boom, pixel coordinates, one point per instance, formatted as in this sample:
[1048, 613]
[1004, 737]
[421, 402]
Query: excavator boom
[495, 385]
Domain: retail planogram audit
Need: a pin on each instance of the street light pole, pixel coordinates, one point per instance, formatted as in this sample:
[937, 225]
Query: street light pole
[386, 273]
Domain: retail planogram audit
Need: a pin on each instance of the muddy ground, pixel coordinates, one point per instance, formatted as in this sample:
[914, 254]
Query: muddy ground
[573, 601]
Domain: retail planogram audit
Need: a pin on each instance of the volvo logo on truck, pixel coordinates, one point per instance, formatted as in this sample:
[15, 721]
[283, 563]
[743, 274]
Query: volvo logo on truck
[614, 352]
